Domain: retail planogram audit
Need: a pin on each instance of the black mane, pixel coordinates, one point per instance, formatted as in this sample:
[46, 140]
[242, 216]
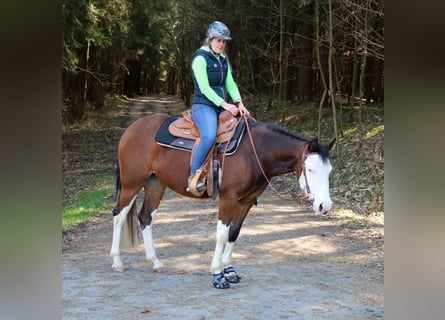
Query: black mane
[286, 132]
[322, 149]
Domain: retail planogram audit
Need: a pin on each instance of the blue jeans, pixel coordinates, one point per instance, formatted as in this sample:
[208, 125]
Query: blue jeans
[206, 119]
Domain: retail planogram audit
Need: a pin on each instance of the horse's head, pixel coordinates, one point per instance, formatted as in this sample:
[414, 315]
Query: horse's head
[314, 177]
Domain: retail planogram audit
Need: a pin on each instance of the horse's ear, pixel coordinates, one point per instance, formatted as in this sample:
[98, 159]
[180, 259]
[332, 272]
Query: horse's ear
[313, 145]
[331, 144]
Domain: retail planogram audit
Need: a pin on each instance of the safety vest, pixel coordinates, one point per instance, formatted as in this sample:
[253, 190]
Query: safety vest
[216, 72]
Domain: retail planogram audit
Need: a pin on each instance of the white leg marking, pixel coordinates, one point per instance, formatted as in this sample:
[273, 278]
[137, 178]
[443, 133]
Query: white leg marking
[222, 235]
[118, 222]
[227, 257]
[150, 252]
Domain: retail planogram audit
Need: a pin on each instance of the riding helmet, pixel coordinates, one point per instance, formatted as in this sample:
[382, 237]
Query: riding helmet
[218, 30]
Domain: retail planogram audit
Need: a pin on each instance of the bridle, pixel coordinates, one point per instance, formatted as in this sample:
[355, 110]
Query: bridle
[297, 173]
[306, 154]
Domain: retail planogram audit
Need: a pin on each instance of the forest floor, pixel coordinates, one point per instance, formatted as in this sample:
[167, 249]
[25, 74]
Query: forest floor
[294, 264]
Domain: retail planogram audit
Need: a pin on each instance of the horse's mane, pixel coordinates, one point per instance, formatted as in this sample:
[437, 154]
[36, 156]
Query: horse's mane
[286, 132]
[281, 130]
[322, 149]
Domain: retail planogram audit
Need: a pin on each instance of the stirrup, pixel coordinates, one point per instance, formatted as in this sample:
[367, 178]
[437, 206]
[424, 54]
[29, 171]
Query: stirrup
[195, 185]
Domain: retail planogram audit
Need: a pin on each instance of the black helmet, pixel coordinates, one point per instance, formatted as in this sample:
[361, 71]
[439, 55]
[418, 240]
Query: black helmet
[218, 30]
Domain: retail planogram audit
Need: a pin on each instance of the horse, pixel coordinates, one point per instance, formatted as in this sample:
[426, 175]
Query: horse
[268, 150]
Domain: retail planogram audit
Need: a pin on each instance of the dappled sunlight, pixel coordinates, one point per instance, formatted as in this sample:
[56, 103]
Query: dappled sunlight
[156, 99]
[188, 209]
[190, 265]
[306, 245]
[170, 217]
[185, 217]
[376, 218]
[290, 117]
[369, 134]
[264, 207]
[374, 131]
[187, 205]
[262, 229]
[350, 132]
[186, 238]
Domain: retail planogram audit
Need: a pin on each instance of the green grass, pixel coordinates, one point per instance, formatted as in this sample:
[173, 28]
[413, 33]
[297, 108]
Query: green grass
[89, 203]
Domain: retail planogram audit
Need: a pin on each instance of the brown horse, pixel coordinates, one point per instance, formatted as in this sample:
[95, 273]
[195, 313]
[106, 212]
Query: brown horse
[145, 164]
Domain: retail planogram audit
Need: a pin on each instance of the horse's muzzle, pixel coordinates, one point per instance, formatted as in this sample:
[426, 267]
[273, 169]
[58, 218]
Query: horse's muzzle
[322, 207]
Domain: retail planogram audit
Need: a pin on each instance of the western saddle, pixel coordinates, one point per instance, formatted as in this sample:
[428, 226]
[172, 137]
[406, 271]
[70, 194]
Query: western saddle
[210, 171]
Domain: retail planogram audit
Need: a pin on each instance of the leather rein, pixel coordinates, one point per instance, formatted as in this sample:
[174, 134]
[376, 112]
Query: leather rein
[302, 170]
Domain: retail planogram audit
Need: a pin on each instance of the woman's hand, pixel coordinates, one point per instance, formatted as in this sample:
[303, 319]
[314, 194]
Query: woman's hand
[230, 107]
[243, 110]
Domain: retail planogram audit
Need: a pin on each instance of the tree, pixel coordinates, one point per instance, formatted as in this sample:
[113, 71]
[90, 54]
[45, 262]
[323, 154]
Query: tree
[286, 51]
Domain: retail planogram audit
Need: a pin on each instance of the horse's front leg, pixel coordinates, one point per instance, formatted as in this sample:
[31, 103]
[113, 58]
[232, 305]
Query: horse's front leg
[216, 267]
[229, 271]
[118, 222]
[226, 235]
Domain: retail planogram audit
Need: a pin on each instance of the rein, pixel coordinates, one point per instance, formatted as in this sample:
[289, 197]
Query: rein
[303, 168]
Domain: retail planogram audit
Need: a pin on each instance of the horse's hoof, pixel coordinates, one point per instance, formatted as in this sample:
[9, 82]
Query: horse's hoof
[118, 268]
[158, 266]
[160, 269]
[233, 278]
[220, 282]
[230, 275]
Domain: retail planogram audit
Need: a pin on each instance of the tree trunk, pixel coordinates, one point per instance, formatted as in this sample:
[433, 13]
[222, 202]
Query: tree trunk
[320, 66]
[131, 84]
[281, 59]
[76, 88]
[331, 82]
[95, 88]
[362, 72]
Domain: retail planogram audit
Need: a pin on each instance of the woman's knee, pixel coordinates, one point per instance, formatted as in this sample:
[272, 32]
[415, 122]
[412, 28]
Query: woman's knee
[207, 133]
[208, 140]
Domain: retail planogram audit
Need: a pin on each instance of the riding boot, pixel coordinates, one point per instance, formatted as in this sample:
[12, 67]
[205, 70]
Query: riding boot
[195, 184]
[200, 186]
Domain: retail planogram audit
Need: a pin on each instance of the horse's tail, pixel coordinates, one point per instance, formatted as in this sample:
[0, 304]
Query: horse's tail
[118, 183]
[129, 230]
[129, 235]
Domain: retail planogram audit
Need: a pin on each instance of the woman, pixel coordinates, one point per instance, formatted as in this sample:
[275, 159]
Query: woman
[212, 80]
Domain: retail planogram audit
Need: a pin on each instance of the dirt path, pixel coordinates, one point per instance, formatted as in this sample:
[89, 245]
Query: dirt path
[294, 265]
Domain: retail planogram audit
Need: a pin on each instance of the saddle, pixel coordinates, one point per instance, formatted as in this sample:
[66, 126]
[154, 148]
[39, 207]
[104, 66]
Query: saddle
[185, 128]
[181, 133]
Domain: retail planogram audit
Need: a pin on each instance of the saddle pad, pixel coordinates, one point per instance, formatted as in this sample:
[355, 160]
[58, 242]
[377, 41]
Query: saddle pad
[164, 138]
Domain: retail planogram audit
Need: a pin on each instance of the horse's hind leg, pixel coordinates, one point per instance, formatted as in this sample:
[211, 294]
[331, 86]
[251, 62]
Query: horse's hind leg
[154, 190]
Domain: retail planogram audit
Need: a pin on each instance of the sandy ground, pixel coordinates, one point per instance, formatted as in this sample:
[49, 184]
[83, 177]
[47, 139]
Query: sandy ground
[294, 264]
